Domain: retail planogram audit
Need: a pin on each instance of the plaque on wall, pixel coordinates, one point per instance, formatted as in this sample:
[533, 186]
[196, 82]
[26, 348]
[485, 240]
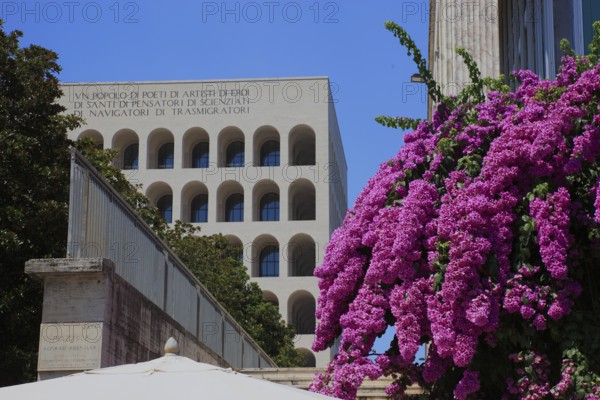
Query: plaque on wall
[70, 346]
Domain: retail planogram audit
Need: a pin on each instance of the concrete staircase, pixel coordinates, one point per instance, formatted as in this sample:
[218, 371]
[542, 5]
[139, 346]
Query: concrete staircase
[302, 377]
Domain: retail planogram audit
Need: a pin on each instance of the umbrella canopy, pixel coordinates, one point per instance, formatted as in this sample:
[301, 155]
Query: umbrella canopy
[167, 378]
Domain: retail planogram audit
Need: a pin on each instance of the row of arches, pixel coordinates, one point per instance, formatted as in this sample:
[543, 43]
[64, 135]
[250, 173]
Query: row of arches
[230, 150]
[265, 254]
[230, 199]
[300, 310]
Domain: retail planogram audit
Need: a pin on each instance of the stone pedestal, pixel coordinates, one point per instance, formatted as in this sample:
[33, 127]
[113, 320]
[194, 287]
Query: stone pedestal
[92, 318]
[73, 315]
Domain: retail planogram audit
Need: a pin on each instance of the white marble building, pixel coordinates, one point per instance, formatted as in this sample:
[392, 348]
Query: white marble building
[259, 160]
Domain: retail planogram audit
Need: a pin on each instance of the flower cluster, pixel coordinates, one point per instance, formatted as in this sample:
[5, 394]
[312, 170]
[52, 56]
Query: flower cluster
[552, 224]
[535, 301]
[597, 204]
[466, 240]
[532, 377]
[469, 384]
[559, 391]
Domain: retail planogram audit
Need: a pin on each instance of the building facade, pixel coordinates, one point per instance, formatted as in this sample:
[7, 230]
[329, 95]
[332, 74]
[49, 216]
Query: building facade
[260, 161]
[505, 36]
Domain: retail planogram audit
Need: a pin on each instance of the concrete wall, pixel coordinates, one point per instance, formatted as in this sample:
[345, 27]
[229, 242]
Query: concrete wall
[93, 318]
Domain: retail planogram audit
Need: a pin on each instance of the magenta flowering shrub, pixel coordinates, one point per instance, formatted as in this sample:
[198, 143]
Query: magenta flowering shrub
[481, 239]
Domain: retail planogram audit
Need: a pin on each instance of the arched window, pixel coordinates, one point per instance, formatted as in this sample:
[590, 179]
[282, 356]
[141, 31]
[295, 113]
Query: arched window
[301, 309]
[236, 244]
[165, 207]
[239, 255]
[130, 157]
[165, 156]
[269, 261]
[234, 208]
[271, 298]
[302, 146]
[200, 156]
[200, 208]
[95, 137]
[269, 154]
[302, 200]
[301, 255]
[308, 358]
[269, 207]
[235, 155]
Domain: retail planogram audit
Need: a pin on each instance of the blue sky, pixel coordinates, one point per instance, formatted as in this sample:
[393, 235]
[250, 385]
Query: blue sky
[191, 40]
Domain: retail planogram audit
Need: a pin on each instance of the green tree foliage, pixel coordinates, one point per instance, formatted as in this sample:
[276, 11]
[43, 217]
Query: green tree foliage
[34, 176]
